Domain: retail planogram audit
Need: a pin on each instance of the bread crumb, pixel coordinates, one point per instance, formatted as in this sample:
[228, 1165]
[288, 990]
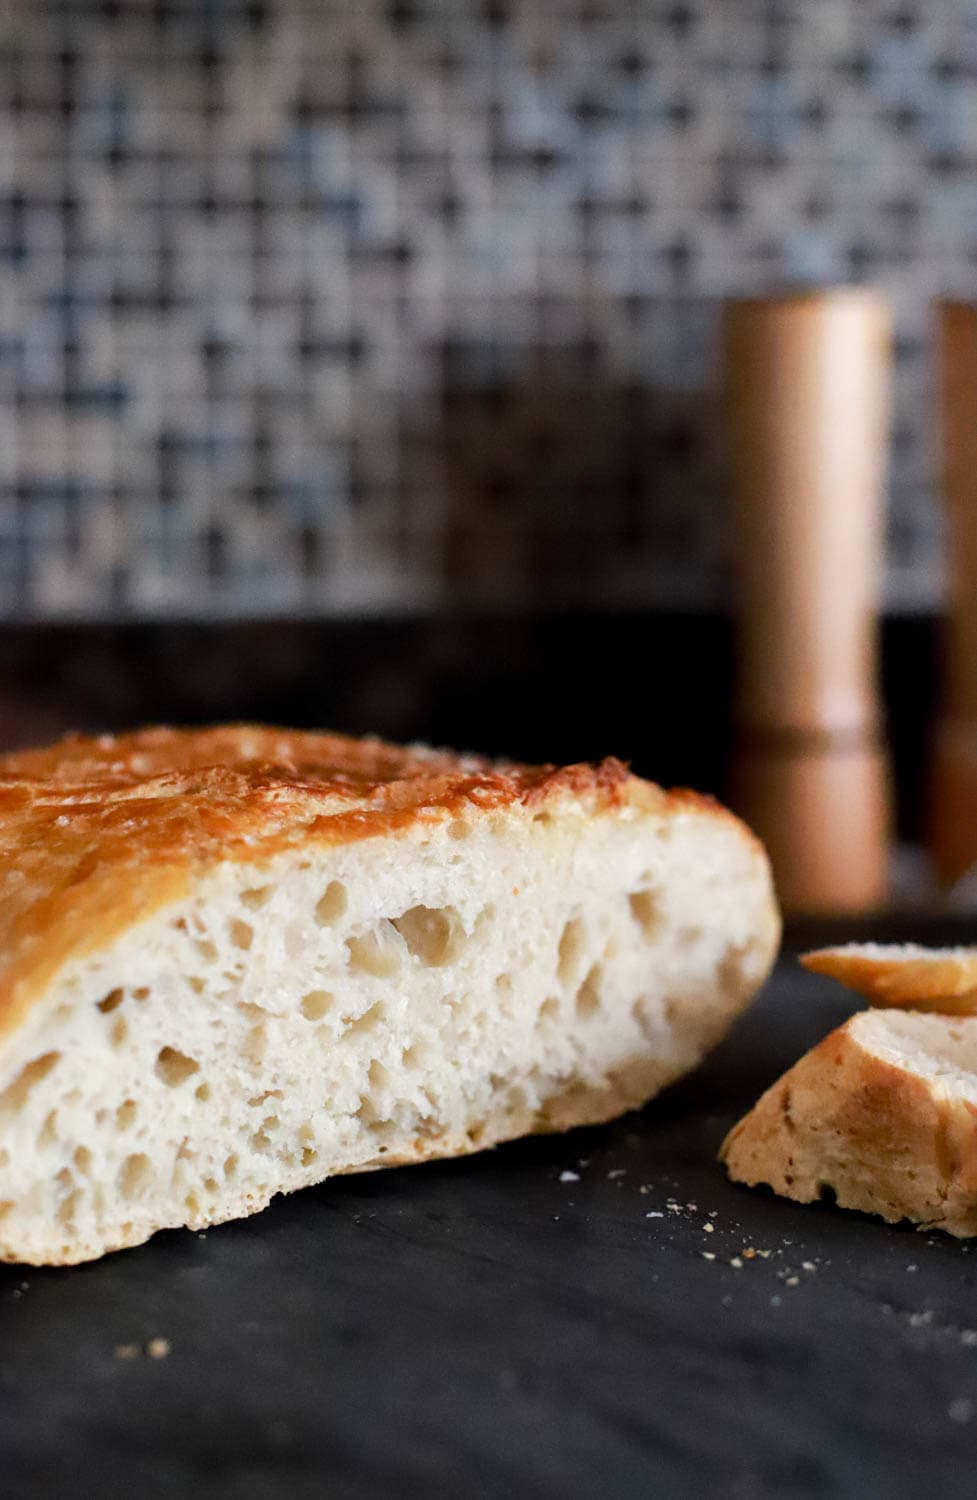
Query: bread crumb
[912, 1268]
[708, 1255]
[808, 1265]
[775, 1301]
[793, 1281]
[127, 1351]
[749, 1253]
[158, 1348]
[736, 1263]
[960, 1410]
[617, 1172]
[569, 1176]
[921, 1319]
[654, 1213]
[709, 1228]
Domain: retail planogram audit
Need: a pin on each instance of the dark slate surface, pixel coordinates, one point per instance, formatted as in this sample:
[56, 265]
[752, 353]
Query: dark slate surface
[483, 1328]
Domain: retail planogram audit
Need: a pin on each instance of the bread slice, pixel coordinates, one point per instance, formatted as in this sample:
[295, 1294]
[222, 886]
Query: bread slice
[236, 961]
[882, 1114]
[903, 974]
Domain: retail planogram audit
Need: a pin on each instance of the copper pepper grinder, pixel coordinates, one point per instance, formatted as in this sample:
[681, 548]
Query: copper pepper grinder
[953, 788]
[806, 395]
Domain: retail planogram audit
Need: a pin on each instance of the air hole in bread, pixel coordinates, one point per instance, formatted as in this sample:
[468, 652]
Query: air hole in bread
[197, 984]
[125, 1114]
[687, 937]
[416, 1056]
[516, 1102]
[308, 1156]
[549, 1010]
[230, 1167]
[142, 993]
[366, 1022]
[174, 1068]
[503, 984]
[332, 904]
[646, 911]
[458, 830]
[206, 949]
[255, 899]
[119, 1032]
[376, 952]
[135, 1175]
[731, 978]
[4, 1157]
[49, 1131]
[433, 935]
[255, 1044]
[378, 1076]
[261, 1139]
[316, 1004]
[202, 1092]
[588, 995]
[16, 1094]
[369, 1116]
[69, 1206]
[7, 1206]
[83, 1159]
[570, 951]
[192, 1204]
[639, 1011]
[212, 1186]
[546, 818]
[826, 1193]
[242, 934]
[111, 1002]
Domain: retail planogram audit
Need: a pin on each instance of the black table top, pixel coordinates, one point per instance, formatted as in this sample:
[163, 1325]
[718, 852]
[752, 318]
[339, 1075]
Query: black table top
[496, 1327]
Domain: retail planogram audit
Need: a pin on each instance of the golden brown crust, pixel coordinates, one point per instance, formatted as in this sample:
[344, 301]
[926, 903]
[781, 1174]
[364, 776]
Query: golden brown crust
[96, 834]
[880, 1137]
[941, 980]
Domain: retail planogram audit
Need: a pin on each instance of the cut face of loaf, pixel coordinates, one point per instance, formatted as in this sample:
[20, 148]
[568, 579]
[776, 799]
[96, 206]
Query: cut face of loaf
[903, 974]
[882, 1116]
[239, 961]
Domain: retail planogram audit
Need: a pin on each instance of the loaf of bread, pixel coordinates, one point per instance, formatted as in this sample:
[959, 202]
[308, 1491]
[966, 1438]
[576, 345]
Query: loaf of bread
[237, 961]
[903, 974]
[881, 1116]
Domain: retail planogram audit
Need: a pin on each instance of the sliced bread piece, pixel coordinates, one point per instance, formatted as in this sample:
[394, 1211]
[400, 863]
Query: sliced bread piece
[903, 975]
[237, 961]
[882, 1115]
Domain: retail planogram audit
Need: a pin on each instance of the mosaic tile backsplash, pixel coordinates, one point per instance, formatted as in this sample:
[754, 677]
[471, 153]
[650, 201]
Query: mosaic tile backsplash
[351, 306]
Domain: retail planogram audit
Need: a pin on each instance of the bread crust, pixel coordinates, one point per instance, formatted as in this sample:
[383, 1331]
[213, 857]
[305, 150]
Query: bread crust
[882, 1138]
[943, 980]
[99, 833]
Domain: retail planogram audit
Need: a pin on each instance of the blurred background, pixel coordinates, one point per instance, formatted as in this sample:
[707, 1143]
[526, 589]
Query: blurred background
[359, 359]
